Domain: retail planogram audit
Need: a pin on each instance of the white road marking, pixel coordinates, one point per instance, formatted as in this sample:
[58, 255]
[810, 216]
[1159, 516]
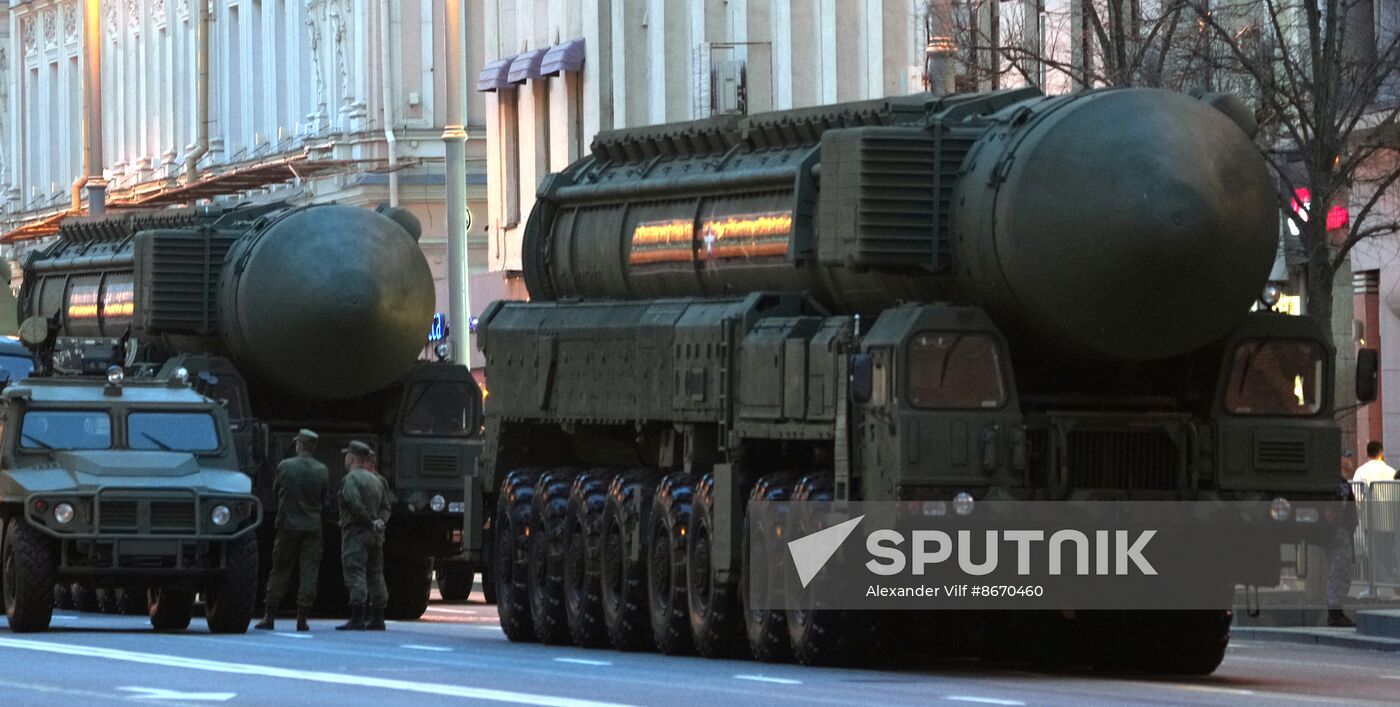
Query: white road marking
[157, 693]
[765, 678]
[440, 610]
[582, 661]
[416, 647]
[218, 666]
[984, 700]
[286, 634]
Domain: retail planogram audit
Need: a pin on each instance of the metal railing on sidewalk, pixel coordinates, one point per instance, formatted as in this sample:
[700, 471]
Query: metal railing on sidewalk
[1377, 551]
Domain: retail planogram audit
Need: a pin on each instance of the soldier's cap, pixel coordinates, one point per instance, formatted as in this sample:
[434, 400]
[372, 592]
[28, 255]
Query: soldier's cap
[307, 435]
[359, 449]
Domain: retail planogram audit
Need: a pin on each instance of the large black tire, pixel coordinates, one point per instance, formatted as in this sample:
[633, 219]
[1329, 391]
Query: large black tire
[512, 554]
[766, 627]
[409, 580]
[1179, 642]
[821, 636]
[548, 518]
[171, 608]
[716, 612]
[131, 601]
[583, 556]
[623, 567]
[84, 597]
[229, 601]
[63, 596]
[107, 600]
[29, 567]
[666, 565]
[454, 579]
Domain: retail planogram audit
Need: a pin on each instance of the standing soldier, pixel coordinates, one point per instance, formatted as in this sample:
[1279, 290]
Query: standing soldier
[300, 489]
[364, 513]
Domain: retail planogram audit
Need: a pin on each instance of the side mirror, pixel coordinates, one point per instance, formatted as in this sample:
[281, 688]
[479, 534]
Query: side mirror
[862, 378]
[1367, 375]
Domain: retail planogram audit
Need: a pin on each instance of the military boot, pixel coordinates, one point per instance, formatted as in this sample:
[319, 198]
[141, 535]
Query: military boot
[357, 619]
[267, 622]
[376, 620]
[301, 619]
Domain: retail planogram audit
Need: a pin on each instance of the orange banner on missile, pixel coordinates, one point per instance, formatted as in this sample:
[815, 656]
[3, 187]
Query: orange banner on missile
[736, 236]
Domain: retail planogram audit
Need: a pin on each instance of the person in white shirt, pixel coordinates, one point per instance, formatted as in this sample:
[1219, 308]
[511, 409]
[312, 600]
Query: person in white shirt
[1376, 469]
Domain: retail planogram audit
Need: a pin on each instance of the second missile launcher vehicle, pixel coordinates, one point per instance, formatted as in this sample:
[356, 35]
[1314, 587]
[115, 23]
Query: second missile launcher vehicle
[973, 298]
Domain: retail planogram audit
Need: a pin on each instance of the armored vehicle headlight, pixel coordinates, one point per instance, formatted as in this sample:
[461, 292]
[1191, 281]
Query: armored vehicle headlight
[963, 503]
[63, 513]
[437, 503]
[182, 375]
[115, 375]
[443, 351]
[1280, 509]
[221, 515]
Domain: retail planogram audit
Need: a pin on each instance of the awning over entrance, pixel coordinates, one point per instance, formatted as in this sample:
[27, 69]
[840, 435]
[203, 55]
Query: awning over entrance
[493, 77]
[526, 67]
[566, 56]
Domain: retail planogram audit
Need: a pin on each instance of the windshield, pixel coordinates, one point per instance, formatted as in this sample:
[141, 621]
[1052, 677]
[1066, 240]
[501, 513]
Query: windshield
[1276, 377]
[15, 368]
[66, 429]
[438, 408]
[955, 370]
[172, 431]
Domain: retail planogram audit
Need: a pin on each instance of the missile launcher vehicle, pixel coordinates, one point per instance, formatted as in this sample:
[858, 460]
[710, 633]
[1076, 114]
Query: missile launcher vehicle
[291, 317]
[982, 297]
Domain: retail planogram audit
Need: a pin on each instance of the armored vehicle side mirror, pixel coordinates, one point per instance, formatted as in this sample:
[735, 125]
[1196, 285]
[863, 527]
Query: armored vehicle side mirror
[1367, 375]
[862, 378]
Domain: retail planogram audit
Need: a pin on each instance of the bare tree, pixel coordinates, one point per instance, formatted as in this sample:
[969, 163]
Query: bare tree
[993, 44]
[1323, 76]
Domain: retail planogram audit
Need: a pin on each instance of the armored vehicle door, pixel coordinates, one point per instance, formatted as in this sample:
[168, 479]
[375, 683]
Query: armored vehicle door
[437, 435]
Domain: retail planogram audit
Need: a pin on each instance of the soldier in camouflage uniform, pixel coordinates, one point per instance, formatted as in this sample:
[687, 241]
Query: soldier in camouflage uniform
[365, 501]
[300, 489]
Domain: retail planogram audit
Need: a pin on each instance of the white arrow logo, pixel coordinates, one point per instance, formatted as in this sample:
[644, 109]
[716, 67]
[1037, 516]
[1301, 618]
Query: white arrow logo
[811, 552]
[156, 693]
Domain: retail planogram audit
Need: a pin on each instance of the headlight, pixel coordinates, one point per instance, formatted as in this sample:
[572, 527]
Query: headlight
[455, 507]
[437, 503]
[963, 503]
[115, 374]
[220, 515]
[63, 513]
[1280, 509]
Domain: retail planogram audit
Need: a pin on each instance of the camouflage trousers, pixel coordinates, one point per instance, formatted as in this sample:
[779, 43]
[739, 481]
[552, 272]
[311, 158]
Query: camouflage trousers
[362, 556]
[294, 550]
[1339, 566]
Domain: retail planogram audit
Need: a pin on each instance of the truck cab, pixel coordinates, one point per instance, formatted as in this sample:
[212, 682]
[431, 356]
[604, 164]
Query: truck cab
[120, 483]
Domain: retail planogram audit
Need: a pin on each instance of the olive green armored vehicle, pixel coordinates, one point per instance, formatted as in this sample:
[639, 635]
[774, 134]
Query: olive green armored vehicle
[117, 483]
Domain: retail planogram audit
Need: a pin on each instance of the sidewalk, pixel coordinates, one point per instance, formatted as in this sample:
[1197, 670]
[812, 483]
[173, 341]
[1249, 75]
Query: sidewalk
[1377, 630]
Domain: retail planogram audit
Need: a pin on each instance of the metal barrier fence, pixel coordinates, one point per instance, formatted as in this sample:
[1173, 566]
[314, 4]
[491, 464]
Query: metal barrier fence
[1376, 546]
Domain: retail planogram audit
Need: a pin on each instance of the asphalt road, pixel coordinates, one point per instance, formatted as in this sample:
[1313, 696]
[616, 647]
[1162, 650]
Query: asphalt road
[457, 655]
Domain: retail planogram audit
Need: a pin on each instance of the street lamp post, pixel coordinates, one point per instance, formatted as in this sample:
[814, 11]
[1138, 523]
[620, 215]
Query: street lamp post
[454, 137]
[91, 178]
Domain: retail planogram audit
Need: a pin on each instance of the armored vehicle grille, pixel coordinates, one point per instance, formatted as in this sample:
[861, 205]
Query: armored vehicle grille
[117, 516]
[1122, 459]
[440, 464]
[172, 517]
[1281, 454]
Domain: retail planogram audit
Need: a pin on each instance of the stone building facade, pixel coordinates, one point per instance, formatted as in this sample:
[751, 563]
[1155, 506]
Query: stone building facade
[284, 76]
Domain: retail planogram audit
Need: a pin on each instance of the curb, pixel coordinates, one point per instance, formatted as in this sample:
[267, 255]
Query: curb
[1335, 637]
